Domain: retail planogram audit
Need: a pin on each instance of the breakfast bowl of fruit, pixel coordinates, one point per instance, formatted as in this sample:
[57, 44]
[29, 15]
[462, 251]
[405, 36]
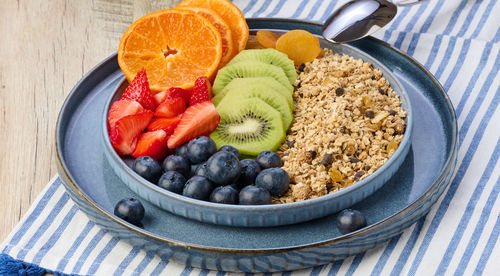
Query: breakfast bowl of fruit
[133, 134]
[282, 129]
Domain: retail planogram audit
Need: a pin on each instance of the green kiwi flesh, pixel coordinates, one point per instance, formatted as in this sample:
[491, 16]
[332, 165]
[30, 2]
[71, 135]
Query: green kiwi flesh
[269, 56]
[268, 95]
[250, 125]
[258, 83]
[247, 69]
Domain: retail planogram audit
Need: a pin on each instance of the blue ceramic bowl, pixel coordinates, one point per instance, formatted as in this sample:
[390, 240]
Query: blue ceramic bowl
[265, 215]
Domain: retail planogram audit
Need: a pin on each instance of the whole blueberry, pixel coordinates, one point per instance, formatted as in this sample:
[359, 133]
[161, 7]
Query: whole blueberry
[253, 195]
[223, 168]
[269, 159]
[172, 181]
[198, 187]
[275, 180]
[200, 149]
[224, 194]
[350, 220]
[236, 186]
[201, 169]
[177, 163]
[148, 168]
[193, 169]
[231, 149]
[249, 169]
[130, 210]
[182, 150]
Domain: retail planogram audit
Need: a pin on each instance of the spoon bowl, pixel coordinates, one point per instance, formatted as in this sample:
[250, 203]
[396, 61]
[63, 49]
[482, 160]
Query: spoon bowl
[357, 19]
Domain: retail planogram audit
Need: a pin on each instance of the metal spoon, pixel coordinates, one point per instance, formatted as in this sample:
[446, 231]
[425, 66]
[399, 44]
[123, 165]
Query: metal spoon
[359, 18]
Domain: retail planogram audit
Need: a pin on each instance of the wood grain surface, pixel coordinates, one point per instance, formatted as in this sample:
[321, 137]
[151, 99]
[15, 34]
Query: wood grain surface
[45, 48]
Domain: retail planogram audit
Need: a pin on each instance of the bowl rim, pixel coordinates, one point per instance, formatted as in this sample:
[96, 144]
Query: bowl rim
[404, 98]
[448, 163]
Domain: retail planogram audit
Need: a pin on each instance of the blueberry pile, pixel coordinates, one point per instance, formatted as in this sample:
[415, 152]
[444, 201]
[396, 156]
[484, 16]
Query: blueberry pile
[199, 171]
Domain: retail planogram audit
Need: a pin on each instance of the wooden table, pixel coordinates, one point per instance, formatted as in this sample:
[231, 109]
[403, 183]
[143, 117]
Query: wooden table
[45, 48]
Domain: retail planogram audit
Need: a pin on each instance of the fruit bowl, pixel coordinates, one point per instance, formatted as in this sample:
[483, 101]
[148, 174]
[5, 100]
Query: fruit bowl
[264, 215]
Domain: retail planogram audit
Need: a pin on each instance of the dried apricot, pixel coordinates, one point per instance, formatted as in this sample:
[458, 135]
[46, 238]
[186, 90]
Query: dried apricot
[392, 147]
[267, 38]
[300, 46]
[367, 102]
[252, 43]
[336, 176]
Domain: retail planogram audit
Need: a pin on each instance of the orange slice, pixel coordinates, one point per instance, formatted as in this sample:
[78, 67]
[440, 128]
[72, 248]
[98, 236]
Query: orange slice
[221, 26]
[230, 13]
[175, 46]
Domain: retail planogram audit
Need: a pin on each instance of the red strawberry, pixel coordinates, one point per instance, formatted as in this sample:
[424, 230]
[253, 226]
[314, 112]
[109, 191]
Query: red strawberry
[174, 92]
[160, 97]
[152, 144]
[123, 135]
[199, 119]
[202, 91]
[139, 90]
[122, 108]
[171, 107]
[167, 124]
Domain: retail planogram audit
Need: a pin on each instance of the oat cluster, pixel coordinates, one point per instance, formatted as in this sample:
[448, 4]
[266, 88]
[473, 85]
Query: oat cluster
[347, 122]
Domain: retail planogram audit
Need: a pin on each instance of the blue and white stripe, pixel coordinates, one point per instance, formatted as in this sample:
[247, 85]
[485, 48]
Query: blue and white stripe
[459, 42]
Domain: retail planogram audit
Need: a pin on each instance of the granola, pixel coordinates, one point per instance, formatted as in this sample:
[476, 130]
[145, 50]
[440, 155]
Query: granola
[347, 122]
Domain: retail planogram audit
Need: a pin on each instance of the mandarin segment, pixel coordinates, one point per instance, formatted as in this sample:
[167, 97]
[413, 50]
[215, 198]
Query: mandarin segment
[300, 46]
[136, 43]
[150, 30]
[175, 46]
[153, 74]
[231, 14]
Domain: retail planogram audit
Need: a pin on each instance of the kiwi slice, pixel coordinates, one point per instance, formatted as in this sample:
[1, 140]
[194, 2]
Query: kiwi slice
[247, 69]
[258, 82]
[250, 125]
[268, 95]
[269, 56]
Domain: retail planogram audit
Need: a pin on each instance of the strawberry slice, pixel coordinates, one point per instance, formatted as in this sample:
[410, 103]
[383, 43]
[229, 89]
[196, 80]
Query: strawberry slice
[174, 92]
[139, 91]
[171, 107]
[167, 124]
[202, 91]
[160, 97]
[122, 108]
[124, 134]
[152, 144]
[199, 119]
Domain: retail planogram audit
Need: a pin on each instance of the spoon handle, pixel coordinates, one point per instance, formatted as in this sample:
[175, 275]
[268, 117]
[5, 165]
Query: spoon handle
[402, 3]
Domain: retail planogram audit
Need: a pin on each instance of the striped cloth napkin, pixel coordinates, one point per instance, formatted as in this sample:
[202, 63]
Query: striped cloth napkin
[458, 41]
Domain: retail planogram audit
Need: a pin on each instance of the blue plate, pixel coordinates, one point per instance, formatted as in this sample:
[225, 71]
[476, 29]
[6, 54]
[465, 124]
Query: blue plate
[423, 176]
[265, 215]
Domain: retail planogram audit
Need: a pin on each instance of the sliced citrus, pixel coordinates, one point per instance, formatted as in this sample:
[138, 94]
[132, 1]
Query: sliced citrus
[225, 32]
[231, 14]
[175, 46]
